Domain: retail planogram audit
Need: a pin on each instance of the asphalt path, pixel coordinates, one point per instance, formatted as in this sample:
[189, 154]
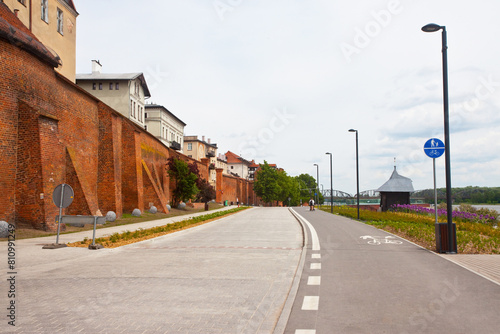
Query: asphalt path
[358, 279]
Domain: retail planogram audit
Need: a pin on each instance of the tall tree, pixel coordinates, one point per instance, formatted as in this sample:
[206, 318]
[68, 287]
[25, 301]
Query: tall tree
[185, 181]
[266, 184]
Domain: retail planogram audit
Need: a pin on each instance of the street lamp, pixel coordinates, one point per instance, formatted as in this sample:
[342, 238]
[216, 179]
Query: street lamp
[331, 183]
[452, 241]
[357, 168]
[317, 183]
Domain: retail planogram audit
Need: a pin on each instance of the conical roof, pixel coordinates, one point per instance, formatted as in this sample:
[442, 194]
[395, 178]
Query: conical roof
[397, 183]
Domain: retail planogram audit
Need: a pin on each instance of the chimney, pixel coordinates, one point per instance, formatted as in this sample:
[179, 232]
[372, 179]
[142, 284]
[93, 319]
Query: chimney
[202, 138]
[16, 11]
[96, 66]
[208, 140]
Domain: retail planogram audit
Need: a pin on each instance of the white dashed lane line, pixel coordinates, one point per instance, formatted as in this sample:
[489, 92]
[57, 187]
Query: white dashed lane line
[311, 303]
[315, 265]
[314, 280]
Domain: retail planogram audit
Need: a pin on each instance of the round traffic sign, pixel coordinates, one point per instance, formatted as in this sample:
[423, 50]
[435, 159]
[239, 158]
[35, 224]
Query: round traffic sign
[63, 195]
[434, 148]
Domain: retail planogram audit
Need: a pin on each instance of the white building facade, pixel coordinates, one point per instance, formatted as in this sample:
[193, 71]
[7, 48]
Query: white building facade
[165, 126]
[124, 92]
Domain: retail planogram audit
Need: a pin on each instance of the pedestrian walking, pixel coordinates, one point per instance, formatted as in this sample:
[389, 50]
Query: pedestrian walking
[237, 202]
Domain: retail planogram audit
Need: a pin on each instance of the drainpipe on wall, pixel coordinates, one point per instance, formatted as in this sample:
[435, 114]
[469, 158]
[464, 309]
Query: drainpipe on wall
[30, 13]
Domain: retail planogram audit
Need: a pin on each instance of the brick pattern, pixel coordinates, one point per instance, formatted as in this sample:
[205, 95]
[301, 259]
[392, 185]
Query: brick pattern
[230, 188]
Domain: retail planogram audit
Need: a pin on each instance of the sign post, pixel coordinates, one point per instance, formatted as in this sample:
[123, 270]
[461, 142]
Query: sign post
[63, 196]
[434, 148]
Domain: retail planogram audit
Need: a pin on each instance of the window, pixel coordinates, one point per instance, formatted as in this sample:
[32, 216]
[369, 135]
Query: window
[45, 10]
[117, 86]
[22, 2]
[232, 167]
[110, 86]
[60, 21]
[94, 86]
[190, 146]
[145, 115]
[100, 85]
[146, 127]
[133, 111]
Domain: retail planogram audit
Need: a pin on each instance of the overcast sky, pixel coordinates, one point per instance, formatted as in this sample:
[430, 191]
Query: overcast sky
[284, 81]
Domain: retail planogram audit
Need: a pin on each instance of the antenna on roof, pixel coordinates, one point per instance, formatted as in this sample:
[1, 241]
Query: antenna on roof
[394, 163]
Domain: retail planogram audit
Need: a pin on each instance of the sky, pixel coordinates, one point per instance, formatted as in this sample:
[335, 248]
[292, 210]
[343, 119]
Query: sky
[284, 81]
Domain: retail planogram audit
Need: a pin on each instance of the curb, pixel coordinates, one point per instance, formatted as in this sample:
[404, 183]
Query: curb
[287, 306]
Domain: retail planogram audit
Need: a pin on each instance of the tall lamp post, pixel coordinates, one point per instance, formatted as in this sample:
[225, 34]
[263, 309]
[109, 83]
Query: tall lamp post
[357, 168]
[452, 241]
[317, 183]
[331, 183]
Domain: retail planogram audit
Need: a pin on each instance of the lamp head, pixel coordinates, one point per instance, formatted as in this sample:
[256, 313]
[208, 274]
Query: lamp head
[352, 130]
[431, 27]
[328, 153]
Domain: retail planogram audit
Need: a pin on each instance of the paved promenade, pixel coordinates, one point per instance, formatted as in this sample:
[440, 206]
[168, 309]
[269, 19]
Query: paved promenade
[235, 275]
[228, 276]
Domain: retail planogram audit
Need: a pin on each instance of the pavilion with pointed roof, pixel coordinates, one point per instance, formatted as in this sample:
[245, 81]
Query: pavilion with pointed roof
[396, 190]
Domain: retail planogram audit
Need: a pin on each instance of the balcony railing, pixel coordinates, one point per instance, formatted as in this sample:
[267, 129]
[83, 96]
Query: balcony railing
[210, 153]
[175, 145]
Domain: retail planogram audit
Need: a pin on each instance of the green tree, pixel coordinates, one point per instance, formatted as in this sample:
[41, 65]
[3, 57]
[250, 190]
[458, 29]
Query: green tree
[308, 187]
[266, 184]
[285, 187]
[206, 190]
[185, 181]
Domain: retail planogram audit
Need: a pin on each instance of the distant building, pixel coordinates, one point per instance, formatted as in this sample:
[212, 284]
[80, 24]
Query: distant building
[165, 126]
[252, 169]
[199, 149]
[396, 190]
[53, 22]
[222, 163]
[237, 166]
[124, 92]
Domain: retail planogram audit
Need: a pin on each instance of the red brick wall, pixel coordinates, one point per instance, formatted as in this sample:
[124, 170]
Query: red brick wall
[28, 187]
[49, 117]
[230, 188]
[109, 184]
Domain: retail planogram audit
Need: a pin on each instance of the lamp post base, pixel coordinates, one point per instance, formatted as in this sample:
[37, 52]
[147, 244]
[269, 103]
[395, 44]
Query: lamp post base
[442, 244]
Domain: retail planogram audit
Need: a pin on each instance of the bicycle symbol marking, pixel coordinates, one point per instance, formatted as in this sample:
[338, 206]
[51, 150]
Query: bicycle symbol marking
[381, 240]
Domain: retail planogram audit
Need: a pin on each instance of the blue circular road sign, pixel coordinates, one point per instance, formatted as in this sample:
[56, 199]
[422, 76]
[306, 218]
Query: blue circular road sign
[434, 148]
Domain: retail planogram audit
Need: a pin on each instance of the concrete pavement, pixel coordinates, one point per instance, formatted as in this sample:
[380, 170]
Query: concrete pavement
[228, 276]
